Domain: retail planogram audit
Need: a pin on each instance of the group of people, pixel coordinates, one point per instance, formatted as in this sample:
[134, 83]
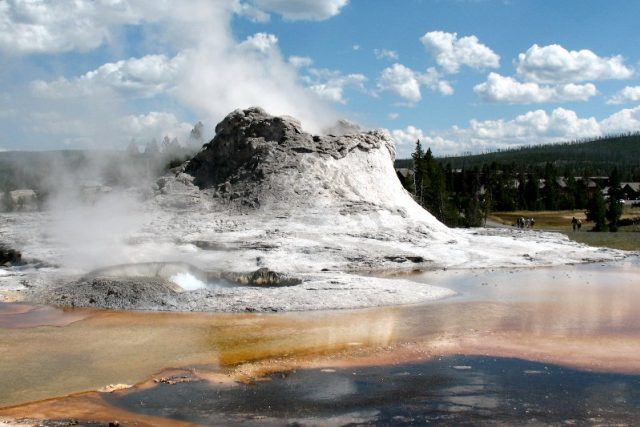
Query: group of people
[525, 222]
[576, 224]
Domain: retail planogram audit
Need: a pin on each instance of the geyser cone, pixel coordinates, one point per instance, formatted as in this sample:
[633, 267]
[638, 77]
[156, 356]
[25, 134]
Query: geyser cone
[257, 159]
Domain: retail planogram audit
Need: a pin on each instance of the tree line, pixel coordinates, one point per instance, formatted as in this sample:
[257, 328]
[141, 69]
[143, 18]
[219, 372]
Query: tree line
[463, 197]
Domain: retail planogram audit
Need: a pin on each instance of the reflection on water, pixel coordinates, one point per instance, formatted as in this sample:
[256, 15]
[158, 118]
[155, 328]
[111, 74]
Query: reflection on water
[120, 347]
[575, 316]
[506, 391]
[19, 315]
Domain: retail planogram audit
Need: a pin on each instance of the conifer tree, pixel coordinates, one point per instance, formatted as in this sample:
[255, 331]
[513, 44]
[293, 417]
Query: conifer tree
[597, 212]
[614, 210]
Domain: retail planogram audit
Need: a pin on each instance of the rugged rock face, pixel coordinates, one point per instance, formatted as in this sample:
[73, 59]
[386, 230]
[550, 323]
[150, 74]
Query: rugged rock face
[256, 158]
[9, 257]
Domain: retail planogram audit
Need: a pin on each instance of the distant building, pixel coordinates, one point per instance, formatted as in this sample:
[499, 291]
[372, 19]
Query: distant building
[404, 172]
[631, 190]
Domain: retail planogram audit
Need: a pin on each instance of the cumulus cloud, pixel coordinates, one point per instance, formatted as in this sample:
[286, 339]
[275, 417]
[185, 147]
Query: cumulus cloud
[61, 26]
[385, 54]
[561, 123]
[555, 64]
[402, 81]
[507, 90]
[623, 121]
[533, 127]
[137, 77]
[330, 84]
[406, 83]
[296, 10]
[628, 94]
[406, 141]
[250, 12]
[261, 42]
[452, 52]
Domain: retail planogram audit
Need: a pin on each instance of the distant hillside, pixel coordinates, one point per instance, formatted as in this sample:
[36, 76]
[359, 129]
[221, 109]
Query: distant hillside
[595, 157]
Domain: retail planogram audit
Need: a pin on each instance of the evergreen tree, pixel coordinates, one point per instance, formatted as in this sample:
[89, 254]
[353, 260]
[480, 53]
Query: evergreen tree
[597, 212]
[614, 211]
[430, 186]
[418, 172]
[581, 193]
[522, 190]
[551, 189]
[532, 192]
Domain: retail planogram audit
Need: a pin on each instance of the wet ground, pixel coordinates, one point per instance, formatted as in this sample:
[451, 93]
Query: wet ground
[542, 346]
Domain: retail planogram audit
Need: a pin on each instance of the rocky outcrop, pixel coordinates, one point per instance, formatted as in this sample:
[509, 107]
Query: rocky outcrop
[262, 277]
[256, 158]
[9, 257]
[114, 293]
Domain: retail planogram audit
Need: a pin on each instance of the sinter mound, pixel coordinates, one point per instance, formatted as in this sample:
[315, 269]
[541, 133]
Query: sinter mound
[256, 158]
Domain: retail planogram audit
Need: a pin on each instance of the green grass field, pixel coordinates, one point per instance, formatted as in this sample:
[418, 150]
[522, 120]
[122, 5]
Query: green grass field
[627, 238]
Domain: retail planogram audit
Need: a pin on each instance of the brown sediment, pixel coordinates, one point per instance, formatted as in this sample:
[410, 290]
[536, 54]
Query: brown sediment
[592, 323]
[85, 408]
[20, 315]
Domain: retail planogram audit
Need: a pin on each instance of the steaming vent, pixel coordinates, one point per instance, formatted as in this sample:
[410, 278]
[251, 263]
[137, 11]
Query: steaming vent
[181, 277]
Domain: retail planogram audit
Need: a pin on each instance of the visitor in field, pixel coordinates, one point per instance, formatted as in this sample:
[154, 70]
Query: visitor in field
[574, 223]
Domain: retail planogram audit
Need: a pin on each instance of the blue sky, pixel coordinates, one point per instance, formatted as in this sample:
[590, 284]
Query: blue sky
[461, 75]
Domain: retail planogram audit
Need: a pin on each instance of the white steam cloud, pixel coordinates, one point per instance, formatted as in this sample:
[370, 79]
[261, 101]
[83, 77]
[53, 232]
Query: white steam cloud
[193, 67]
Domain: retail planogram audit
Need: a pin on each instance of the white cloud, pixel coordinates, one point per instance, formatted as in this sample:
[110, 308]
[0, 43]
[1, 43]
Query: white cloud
[154, 125]
[402, 81]
[261, 42]
[560, 124]
[433, 80]
[250, 11]
[406, 82]
[452, 52]
[137, 77]
[330, 84]
[623, 121]
[295, 10]
[385, 54]
[533, 127]
[60, 26]
[393, 116]
[300, 61]
[555, 64]
[628, 94]
[210, 75]
[502, 89]
[406, 141]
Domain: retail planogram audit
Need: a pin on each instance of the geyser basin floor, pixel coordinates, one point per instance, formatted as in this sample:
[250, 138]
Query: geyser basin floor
[582, 316]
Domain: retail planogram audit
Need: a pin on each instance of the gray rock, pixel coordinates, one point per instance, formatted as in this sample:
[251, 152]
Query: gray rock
[262, 277]
[256, 158]
[114, 293]
[9, 256]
